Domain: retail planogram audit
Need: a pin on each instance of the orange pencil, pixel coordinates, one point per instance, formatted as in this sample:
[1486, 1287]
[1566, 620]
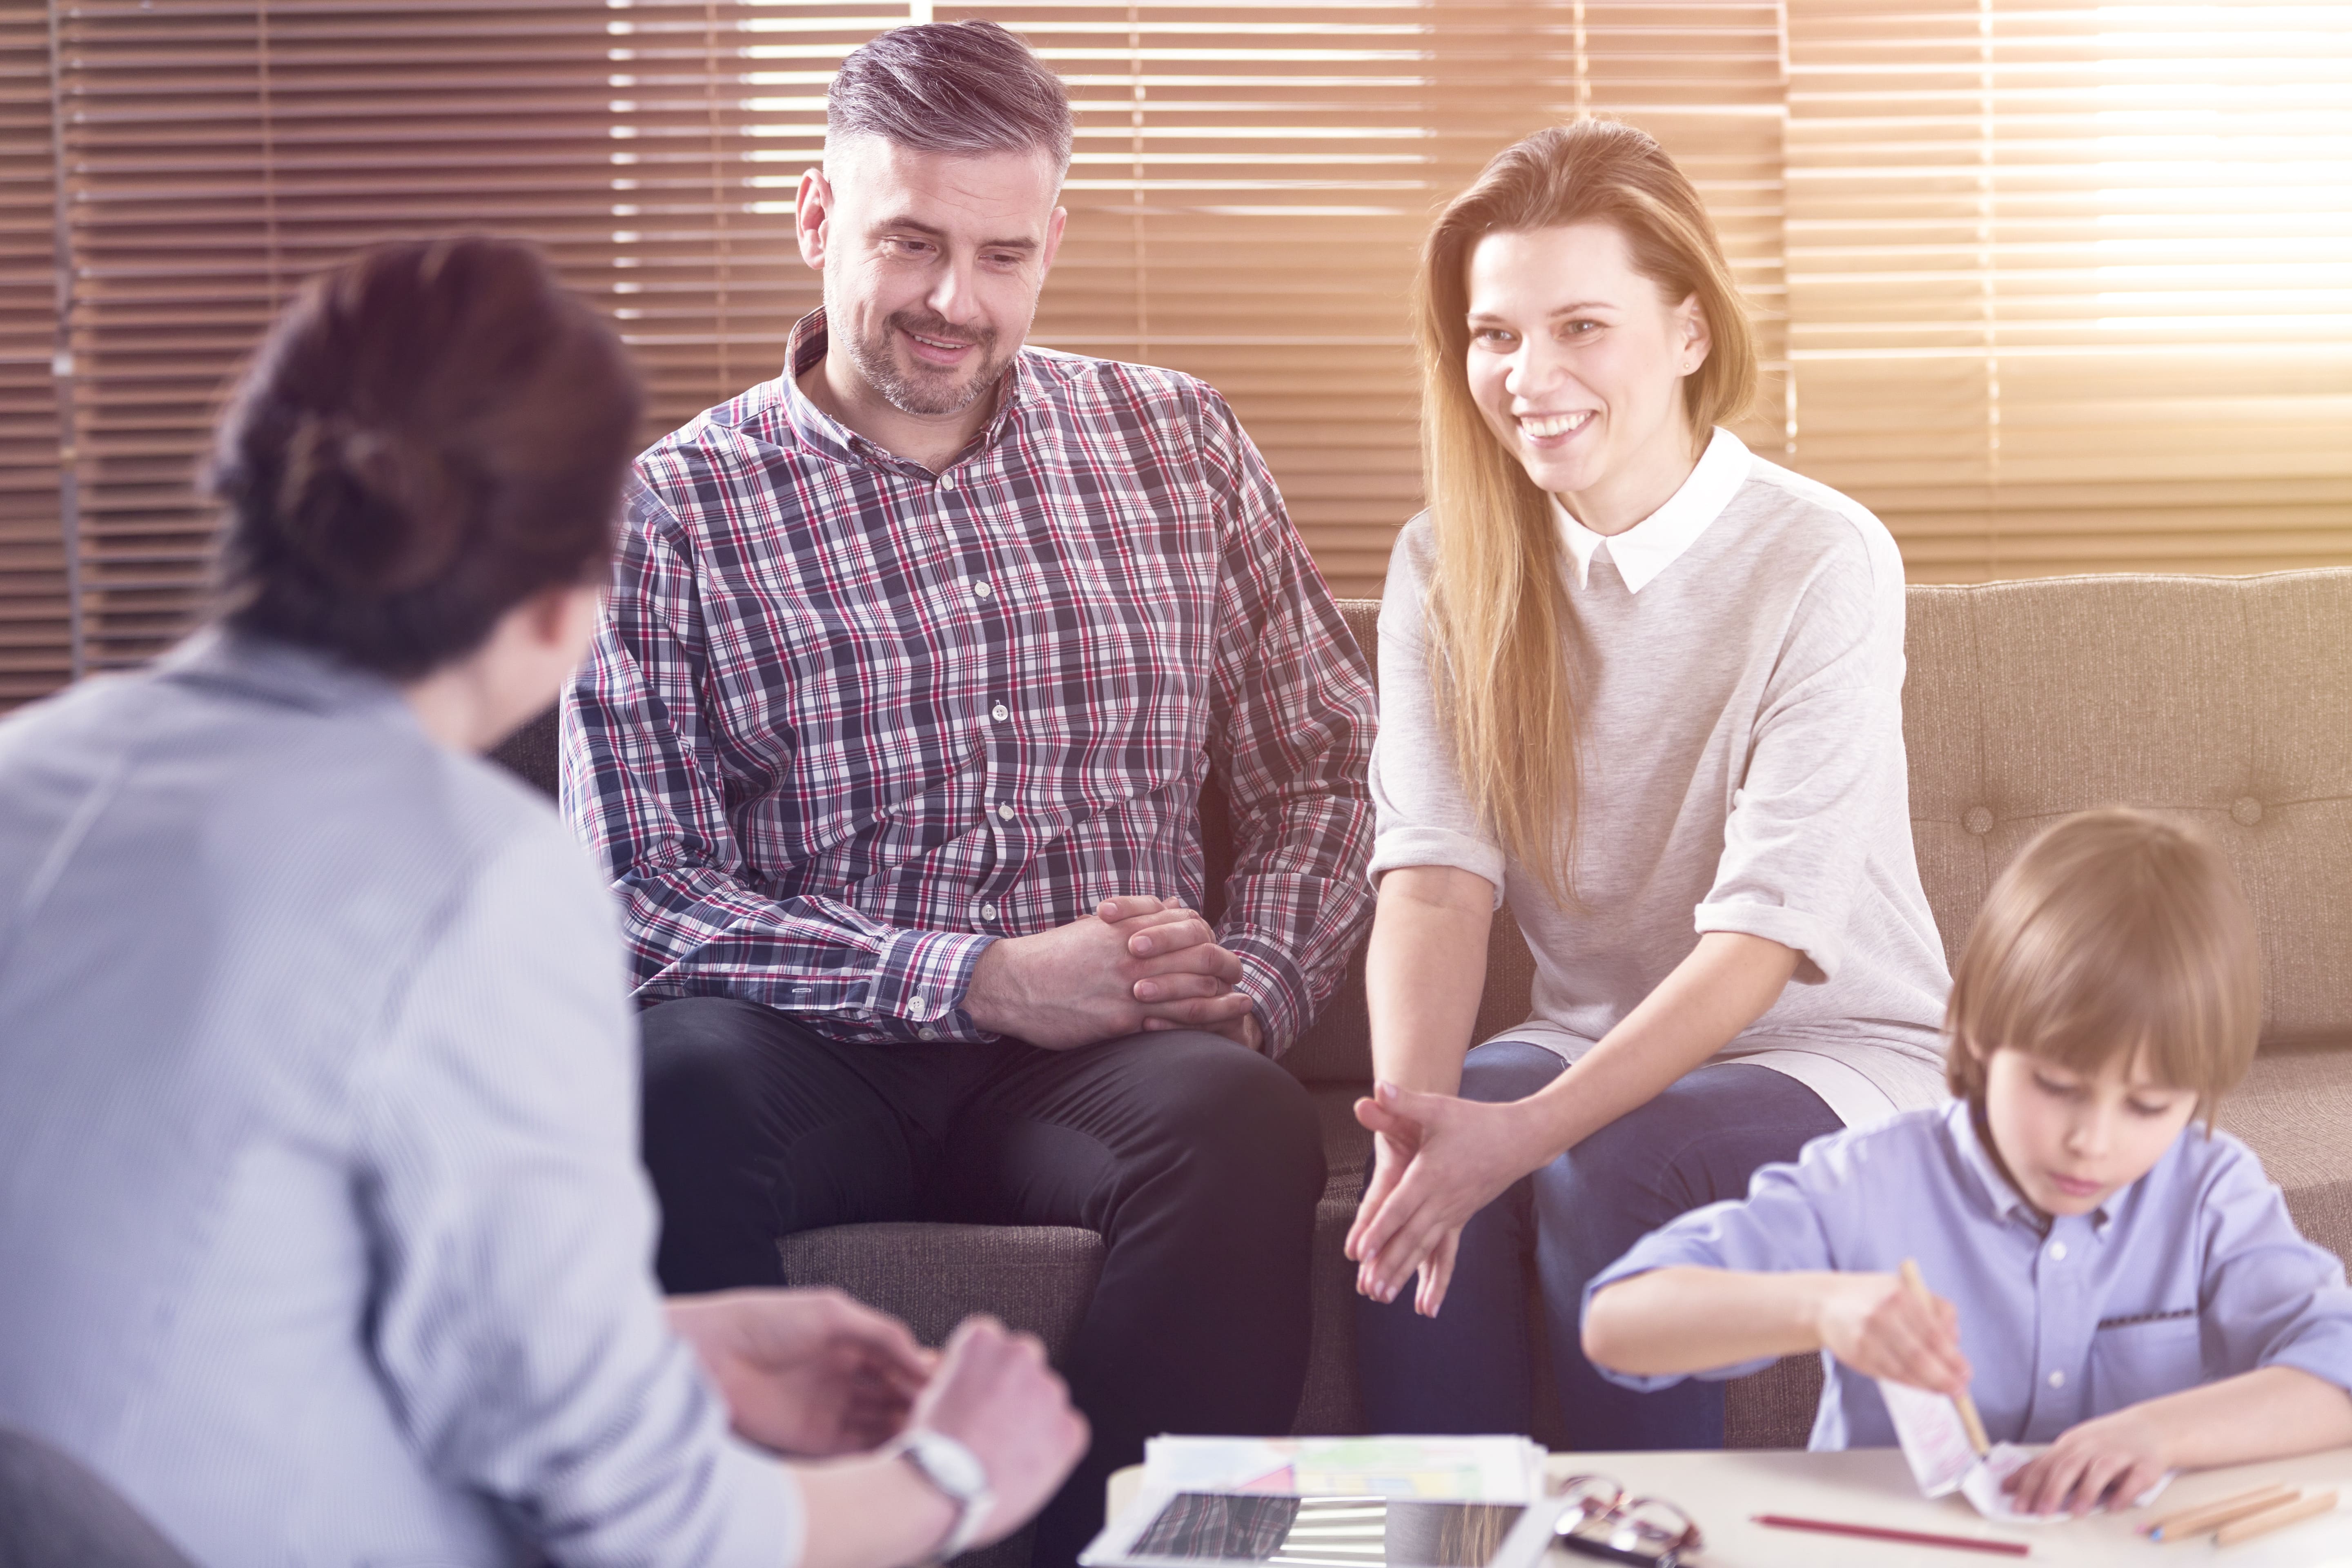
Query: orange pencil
[2273, 1519]
[2182, 1523]
[1967, 1406]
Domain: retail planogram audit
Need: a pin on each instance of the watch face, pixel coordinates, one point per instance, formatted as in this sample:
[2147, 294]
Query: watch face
[950, 1463]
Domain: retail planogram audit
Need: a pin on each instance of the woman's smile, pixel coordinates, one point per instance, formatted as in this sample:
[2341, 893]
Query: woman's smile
[1551, 432]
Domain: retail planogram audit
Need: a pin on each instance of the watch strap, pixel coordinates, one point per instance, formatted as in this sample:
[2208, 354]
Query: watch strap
[955, 1472]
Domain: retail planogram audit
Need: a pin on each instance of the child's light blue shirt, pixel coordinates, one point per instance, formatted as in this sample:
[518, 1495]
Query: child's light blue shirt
[2193, 1272]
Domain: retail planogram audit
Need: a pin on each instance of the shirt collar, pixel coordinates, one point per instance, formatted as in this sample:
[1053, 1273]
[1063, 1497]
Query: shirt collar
[817, 429]
[277, 671]
[1992, 1189]
[1655, 542]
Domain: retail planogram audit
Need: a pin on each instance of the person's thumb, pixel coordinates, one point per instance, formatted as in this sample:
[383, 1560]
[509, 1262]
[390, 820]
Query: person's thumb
[1374, 1117]
[1416, 1107]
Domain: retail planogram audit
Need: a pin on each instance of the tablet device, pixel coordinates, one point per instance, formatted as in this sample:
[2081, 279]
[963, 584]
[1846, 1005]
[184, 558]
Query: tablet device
[1198, 1528]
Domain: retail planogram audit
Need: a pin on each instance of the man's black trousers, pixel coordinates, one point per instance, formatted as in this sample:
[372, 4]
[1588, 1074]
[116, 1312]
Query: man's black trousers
[1198, 1160]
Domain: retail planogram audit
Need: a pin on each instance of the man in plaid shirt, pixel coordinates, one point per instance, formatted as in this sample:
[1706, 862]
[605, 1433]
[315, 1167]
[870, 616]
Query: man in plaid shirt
[892, 738]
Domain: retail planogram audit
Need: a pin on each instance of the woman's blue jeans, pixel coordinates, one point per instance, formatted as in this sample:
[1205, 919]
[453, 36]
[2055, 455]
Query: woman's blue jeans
[1468, 1369]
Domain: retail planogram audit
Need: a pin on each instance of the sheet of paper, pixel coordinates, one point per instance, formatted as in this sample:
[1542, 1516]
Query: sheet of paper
[1933, 1439]
[1981, 1486]
[1458, 1469]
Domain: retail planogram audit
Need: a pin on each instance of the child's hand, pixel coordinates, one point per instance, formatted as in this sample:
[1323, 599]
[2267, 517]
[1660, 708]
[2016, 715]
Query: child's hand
[2113, 1459]
[1875, 1326]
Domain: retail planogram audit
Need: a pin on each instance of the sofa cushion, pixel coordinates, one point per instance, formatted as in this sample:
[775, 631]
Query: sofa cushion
[2294, 1110]
[1035, 1278]
[2218, 699]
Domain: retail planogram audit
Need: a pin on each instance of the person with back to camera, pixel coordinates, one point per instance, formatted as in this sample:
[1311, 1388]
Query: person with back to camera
[323, 1234]
[892, 742]
[2115, 1283]
[1647, 686]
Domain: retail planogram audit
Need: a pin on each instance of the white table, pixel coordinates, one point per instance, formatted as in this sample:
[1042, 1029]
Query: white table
[1722, 1491]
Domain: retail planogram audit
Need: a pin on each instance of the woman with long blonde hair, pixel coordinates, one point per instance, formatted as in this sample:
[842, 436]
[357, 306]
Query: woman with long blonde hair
[1646, 686]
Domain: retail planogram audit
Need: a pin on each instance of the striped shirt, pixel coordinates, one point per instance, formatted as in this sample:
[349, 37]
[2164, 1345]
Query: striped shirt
[847, 721]
[322, 1233]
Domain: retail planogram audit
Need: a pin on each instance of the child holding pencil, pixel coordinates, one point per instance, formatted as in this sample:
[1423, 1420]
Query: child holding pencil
[2119, 1279]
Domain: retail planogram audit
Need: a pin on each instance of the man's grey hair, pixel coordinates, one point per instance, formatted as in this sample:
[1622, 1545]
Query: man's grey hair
[950, 87]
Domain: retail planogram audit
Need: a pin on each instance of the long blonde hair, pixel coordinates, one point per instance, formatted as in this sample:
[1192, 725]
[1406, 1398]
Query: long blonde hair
[1497, 613]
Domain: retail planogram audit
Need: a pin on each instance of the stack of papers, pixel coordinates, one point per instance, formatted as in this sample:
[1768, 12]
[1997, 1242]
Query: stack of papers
[1456, 1470]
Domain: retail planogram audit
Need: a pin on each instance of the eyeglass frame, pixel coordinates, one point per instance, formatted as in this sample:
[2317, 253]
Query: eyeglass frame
[1647, 1546]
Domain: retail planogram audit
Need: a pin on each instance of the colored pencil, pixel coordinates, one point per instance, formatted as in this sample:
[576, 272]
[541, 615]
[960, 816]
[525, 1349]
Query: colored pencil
[2182, 1523]
[1967, 1406]
[2273, 1519]
[1876, 1532]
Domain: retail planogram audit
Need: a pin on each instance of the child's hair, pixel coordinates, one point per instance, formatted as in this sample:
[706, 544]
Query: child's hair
[2115, 932]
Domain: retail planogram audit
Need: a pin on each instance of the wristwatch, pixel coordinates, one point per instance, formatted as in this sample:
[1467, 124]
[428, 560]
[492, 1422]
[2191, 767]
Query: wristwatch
[957, 1474]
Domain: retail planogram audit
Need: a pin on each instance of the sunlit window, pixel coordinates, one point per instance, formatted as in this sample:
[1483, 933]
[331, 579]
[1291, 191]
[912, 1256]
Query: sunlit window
[2071, 288]
[2053, 288]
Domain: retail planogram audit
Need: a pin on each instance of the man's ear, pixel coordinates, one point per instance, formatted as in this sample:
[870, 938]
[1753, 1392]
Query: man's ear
[811, 215]
[1054, 226]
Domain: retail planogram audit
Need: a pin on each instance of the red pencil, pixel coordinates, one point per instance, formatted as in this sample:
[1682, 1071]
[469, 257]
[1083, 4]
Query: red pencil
[1875, 1532]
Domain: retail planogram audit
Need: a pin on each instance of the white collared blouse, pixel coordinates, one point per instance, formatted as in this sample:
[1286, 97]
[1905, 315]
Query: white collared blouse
[1742, 770]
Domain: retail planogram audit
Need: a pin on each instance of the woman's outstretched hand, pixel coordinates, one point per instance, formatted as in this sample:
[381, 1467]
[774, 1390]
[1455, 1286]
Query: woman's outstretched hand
[1437, 1160]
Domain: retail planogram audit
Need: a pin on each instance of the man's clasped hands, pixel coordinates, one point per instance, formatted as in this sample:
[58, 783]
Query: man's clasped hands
[1137, 963]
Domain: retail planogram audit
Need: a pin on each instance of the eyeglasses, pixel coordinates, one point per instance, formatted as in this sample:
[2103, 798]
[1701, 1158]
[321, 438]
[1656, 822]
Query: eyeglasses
[1599, 1520]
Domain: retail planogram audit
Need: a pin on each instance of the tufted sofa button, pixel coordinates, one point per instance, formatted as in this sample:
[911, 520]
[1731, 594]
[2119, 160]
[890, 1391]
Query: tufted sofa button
[2247, 810]
[1978, 820]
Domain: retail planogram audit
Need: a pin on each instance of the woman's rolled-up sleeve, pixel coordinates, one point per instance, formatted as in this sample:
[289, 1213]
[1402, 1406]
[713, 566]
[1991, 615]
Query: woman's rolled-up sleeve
[1422, 816]
[1825, 777]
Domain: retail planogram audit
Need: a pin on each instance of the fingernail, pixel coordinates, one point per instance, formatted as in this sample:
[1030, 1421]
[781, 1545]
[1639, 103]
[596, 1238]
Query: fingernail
[1385, 1089]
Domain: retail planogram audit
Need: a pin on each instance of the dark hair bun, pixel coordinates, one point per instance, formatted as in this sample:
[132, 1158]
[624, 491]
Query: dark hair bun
[373, 512]
[430, 434]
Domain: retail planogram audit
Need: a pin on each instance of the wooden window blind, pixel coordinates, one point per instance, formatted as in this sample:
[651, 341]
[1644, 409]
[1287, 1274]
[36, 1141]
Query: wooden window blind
[2051, 288]
[1250, 184]
[36, 641]
[216, 154]
[2072, 285]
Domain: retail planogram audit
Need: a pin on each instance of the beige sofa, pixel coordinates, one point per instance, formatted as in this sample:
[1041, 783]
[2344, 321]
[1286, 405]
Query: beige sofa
[2226, 701]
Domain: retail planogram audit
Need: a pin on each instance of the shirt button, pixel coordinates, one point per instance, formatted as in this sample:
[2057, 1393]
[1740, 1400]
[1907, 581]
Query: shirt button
[1005, 812]
[2057, 1252]
[2057, 1379]
[928, 1033]
[981, 588]
[988, 911]
[947, 481]
[1000, 712]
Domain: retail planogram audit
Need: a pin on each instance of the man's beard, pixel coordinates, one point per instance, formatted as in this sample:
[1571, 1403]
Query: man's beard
[929, 390]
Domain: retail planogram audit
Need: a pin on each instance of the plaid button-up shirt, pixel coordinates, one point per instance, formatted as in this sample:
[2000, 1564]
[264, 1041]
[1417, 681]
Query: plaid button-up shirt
[846, 720]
